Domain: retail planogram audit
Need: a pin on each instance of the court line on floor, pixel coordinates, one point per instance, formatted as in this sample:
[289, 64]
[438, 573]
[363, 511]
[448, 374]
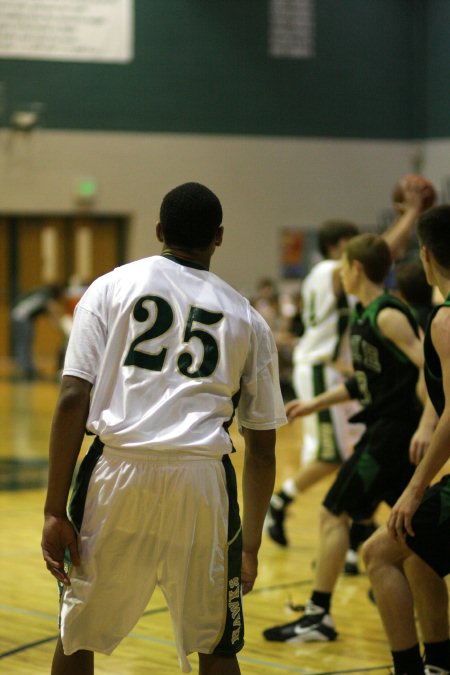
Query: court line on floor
[160, 610]
[43, 615]
[295, 669]
[52, 617]
[29, 645]
[37, 643]
[279, 587]
[29, 612]
[243, 659]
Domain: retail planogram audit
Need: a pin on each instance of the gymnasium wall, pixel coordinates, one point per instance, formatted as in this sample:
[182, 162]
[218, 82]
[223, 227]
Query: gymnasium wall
[264, 183]
[437, 75]
[204, 67]
[283, 142]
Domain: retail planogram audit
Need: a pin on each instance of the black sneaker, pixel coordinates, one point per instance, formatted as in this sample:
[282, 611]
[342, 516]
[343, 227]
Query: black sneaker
[314, 626]
[274, 522]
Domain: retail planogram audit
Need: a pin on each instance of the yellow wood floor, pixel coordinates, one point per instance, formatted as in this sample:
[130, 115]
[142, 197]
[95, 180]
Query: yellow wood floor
[28, 596]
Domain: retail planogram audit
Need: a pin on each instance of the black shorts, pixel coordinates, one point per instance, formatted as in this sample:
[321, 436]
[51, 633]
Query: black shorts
[431, 525]
[379, 469]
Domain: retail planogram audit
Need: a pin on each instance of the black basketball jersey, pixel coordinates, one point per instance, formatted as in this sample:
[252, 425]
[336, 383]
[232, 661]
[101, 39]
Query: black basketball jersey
[385, 378]
[433, 370]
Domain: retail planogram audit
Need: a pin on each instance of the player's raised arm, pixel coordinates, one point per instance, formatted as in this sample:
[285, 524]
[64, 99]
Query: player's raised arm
[411, 196]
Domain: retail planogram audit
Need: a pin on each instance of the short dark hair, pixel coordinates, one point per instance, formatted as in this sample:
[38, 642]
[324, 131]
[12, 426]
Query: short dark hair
[190, 216]
[373, 253]
[412, 283]
[433, 231]
[331, 232]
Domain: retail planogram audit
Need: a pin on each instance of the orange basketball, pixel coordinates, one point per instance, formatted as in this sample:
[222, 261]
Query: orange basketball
[429, 192]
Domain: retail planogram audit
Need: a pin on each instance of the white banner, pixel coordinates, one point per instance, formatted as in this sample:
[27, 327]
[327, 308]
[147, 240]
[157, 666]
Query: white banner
[291, 29]
[67, 30]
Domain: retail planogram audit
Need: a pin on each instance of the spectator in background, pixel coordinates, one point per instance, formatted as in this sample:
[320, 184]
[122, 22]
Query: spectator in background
[285, 321]
[44, 300]
[266, 303]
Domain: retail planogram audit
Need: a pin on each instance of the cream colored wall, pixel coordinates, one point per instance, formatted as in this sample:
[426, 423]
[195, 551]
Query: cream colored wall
[438, 166]
[263, 183]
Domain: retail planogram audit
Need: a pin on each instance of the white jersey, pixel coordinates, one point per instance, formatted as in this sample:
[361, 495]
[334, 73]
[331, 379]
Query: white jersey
[326, 319]
[171, 349]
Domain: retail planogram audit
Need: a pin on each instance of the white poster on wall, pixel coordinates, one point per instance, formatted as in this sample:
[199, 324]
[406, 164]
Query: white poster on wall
[291, 29]
[67, 30]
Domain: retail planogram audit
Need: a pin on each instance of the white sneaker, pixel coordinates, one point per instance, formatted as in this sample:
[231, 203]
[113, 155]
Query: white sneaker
[434, 670]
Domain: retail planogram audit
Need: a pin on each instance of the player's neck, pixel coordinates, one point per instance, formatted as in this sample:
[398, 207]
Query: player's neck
[444, 287]
[200, 257]
[441, 278]
[368, 292]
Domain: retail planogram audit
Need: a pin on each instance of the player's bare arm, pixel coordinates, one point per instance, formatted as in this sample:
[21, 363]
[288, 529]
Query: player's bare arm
[395, 326]
[299, 408]
[68, 428]
[257, 487]
[422, 438]
[439, 450]
[399, 234]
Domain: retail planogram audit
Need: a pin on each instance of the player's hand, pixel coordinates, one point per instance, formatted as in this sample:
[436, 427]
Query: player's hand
[399, 522]
[249, 571]
[414, 195]
[59, 534]
[419, 444]
[299, 408]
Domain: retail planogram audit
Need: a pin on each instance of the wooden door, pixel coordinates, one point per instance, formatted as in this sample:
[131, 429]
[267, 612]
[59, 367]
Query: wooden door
[39, 250]
[4, 290]
[96, 246]
[40, 261]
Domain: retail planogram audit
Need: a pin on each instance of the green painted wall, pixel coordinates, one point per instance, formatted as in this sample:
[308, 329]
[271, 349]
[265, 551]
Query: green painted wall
[202, 66]
[438, 70]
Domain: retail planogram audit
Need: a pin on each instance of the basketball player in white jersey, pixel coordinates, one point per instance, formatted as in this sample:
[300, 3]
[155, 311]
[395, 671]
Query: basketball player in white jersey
[322, 360]
[161, 355]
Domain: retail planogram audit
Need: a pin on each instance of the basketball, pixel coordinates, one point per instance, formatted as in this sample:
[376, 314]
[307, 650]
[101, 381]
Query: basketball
[429, 192]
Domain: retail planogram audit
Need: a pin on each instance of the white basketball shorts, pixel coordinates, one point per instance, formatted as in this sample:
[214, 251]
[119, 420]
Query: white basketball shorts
[147, 520]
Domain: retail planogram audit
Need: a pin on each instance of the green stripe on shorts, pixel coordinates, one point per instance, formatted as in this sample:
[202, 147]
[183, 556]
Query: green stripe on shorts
[87, 466]
[232, 638]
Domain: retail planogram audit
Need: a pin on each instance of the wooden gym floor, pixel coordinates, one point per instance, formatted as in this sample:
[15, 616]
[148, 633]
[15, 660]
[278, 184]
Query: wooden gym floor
[29, 603]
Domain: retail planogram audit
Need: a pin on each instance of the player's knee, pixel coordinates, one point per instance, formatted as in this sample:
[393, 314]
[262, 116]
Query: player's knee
[368, 552]
[374, 554]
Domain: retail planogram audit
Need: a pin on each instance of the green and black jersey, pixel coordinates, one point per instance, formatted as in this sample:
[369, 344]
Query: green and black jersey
[385, 379]
[433, 370]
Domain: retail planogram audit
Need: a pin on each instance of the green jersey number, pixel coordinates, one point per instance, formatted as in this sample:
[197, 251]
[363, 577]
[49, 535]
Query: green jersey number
[162, 323]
